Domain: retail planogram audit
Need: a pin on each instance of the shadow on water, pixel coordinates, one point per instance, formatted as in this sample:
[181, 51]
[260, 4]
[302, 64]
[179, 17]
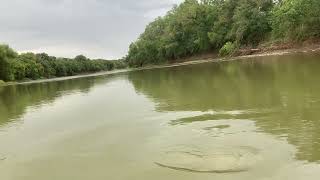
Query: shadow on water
[280, 94]
[218, 116]
[14, 100]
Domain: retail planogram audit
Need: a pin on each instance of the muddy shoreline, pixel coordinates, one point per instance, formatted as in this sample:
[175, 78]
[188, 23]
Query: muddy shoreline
[188, 61]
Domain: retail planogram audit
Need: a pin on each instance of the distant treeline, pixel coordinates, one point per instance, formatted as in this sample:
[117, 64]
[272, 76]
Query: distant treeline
[15, 67]
[224, 26]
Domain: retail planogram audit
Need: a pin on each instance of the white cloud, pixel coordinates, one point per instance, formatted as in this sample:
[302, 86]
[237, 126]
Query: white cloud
[96, 28]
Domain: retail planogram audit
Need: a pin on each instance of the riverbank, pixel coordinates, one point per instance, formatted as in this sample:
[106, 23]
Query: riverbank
[65, 78]
[209, 57]
[242, 53]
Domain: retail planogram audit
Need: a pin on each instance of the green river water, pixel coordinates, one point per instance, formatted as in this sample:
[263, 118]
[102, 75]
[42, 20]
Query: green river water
[250, 119]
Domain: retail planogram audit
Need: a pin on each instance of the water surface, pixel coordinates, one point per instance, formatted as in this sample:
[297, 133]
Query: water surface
[256, 118]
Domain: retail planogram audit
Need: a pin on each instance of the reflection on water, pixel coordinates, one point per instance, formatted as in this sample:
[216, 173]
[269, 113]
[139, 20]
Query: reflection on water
[14, 100]
[280, 94]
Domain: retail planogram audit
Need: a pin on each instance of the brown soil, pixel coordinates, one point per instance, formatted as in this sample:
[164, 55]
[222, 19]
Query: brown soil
[275, 48]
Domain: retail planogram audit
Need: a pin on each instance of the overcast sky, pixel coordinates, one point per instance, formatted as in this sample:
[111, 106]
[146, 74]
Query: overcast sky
[95, 28]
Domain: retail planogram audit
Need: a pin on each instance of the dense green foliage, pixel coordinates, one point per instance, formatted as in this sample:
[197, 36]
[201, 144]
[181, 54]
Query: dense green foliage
[36, 66]
[6, 55]
[297, 19]
[207, 25]
[227, 49]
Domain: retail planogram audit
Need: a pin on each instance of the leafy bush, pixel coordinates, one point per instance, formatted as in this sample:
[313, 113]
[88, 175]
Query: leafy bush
[228, 49]
[2, 83]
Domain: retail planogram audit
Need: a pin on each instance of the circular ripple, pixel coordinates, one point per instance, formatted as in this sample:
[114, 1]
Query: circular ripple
[217, 160]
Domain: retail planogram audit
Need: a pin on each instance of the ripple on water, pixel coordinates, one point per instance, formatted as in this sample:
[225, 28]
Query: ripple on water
[216, 160]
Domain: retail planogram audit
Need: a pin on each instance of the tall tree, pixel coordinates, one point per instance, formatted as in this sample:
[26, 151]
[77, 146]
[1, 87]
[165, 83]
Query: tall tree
[6, 55]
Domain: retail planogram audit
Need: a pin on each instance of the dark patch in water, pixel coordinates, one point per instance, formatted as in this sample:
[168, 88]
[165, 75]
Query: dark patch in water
[217, 127]
[219, 116]
[199, 171]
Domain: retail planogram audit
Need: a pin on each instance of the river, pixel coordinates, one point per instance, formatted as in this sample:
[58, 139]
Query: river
[256, 118]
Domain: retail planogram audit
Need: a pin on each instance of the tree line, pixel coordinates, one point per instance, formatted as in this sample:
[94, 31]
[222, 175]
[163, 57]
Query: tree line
[198, 26]
[15, 67]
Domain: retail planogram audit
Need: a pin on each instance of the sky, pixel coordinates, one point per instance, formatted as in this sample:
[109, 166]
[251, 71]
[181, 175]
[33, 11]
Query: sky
[66, 28]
